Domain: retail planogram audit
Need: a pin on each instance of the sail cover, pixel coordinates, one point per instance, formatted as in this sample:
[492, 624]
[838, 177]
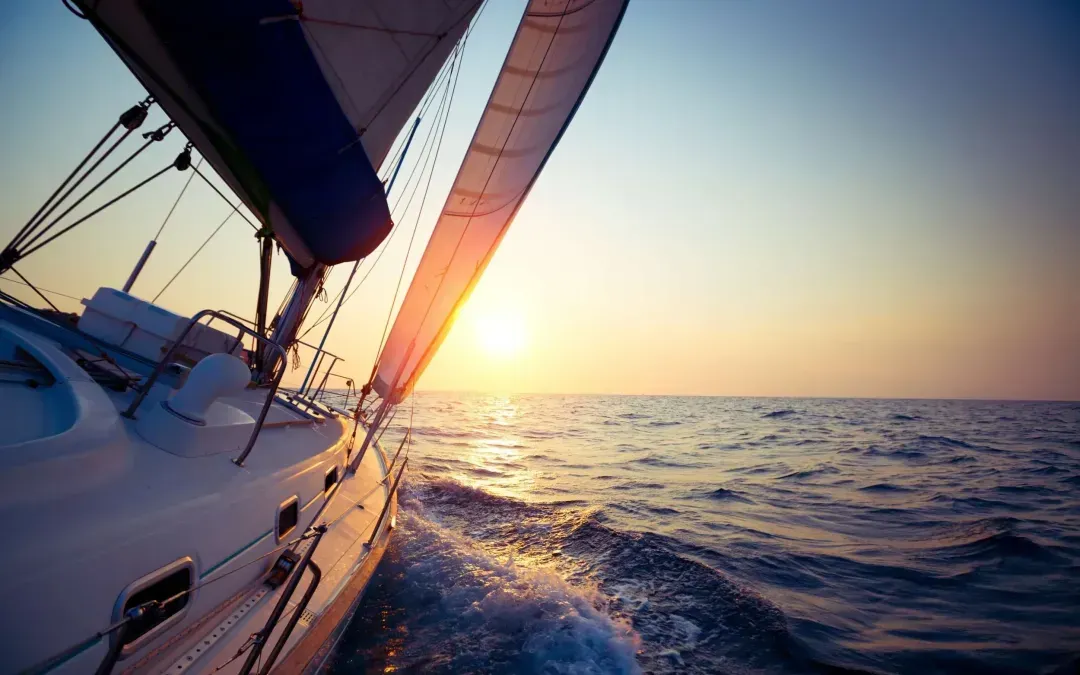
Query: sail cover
[558, 48]
[294, 104]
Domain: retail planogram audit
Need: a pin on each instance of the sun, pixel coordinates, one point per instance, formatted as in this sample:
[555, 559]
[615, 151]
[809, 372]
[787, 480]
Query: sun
[501, 335]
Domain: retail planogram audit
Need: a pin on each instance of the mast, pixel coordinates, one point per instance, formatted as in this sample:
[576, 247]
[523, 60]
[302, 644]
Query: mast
[292, 316]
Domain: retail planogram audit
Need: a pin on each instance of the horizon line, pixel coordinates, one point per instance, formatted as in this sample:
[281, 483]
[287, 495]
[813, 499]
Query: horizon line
[803, 397]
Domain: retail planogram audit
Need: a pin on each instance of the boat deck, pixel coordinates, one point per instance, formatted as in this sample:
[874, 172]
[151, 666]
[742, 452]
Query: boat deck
[115, 500]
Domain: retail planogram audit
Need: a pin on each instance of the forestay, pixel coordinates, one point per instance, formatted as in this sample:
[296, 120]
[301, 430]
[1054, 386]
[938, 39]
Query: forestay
[294, 104]
[555, 54]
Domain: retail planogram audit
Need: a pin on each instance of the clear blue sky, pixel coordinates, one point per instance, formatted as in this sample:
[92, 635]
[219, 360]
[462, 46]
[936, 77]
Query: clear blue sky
[757, 198]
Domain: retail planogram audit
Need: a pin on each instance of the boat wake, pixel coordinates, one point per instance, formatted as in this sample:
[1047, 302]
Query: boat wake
[478, 582]
[442, 604]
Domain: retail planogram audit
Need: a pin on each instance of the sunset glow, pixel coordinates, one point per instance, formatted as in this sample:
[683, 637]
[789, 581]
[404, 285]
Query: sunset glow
[500, 335]
[750, 201]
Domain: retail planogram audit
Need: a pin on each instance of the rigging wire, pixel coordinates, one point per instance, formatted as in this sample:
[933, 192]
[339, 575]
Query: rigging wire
[421, 161]
[388, 167]
[420, 62]
[34, 288]
[228, 201]
[190, 177]
[386, 426]
[464, 230]
[131, 120]
[416, 224]
[347, 510]
[40, 289]
[197, 252]
[30, 244]
[425, 104]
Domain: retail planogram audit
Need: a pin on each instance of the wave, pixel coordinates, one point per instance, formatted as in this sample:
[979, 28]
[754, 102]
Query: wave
[725, 494]
[1045, 470]
[906, 454]
[437, 490]
[537, 434]
[820, 470]
[662, 510]
[634, 485]
[719, 446]
[777, 414]
[439, 432]
[639, 576]
[483, 472]
[884, 487]
[1022, 490]
[978, 504]
[719, 621]
[945, 440]
[653, 460]
[761, 468]
[466, 611]
[990, 539]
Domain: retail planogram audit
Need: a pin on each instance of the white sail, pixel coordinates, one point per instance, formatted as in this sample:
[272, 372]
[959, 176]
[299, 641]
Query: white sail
[380, 56]
[555, 54]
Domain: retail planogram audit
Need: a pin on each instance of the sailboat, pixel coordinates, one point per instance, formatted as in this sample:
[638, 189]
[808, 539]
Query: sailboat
[176, 509]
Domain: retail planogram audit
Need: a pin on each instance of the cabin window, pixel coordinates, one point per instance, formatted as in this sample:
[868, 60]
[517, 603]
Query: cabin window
[287, 516]
[331, 479]
[163, 585]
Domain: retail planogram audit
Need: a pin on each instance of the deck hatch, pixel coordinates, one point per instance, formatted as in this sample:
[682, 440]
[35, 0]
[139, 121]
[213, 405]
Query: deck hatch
[288, 515]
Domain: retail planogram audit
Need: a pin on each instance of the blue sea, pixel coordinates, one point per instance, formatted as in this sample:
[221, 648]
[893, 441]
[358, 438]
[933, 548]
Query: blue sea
[637, 534]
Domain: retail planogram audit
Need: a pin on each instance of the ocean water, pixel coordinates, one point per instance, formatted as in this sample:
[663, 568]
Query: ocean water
[592, 534]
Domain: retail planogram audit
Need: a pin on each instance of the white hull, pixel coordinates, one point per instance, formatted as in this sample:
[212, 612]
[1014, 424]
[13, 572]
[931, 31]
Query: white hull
[106, 505]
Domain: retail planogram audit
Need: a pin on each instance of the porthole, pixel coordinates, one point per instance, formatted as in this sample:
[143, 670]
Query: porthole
[162, 585]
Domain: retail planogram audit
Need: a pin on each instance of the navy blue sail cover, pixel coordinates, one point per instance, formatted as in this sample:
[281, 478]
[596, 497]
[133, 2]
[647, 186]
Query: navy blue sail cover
[253, 68]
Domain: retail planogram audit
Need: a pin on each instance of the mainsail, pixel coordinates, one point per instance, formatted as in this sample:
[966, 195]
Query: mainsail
[556, 52]
[294, 104]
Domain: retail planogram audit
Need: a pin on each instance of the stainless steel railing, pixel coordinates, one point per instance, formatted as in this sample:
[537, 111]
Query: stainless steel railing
[167, 358]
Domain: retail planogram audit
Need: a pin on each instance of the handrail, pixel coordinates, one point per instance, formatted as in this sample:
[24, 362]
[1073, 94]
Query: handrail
[249, 321]
[275, 615]
[316, 578]
[177, 343]
[386, 506]
[326, 376]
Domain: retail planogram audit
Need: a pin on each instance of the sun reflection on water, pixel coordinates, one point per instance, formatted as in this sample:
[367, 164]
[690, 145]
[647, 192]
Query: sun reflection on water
[495, 450]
